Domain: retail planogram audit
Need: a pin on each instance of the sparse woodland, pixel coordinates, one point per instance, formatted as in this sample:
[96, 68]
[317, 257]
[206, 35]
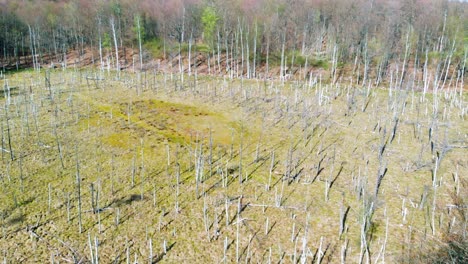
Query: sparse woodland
[247, 131]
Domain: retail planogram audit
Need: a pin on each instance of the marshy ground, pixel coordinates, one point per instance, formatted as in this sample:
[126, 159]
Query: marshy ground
[153, 167]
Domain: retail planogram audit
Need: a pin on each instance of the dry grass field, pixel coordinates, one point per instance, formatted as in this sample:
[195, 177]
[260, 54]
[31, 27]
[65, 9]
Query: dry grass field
[151, 168]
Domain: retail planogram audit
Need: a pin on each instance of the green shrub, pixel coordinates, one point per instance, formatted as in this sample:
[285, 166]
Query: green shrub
[319, 63]
[155, 47]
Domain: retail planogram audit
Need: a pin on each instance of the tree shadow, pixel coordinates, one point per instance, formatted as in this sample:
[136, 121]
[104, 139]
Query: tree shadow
[16, 220]
[126, 200]
[159, 257]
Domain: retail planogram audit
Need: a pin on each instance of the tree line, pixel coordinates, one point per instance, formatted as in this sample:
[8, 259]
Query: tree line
[367, 33]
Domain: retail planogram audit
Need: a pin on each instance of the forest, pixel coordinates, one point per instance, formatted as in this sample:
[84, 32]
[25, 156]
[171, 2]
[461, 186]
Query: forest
[369, 36]
[242, 131]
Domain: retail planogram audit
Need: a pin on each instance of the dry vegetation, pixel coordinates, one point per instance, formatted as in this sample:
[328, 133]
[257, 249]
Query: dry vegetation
[154, 167]
[192, 131]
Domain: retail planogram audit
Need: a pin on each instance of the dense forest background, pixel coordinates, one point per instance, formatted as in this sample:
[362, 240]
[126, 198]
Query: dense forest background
[371, 35]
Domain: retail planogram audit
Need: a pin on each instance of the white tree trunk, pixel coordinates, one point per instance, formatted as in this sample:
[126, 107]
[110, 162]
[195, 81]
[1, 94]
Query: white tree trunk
[117, 63]
[139, 42]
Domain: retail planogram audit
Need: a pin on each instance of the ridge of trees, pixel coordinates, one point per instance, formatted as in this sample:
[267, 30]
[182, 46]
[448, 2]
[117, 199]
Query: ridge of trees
[371, 33]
